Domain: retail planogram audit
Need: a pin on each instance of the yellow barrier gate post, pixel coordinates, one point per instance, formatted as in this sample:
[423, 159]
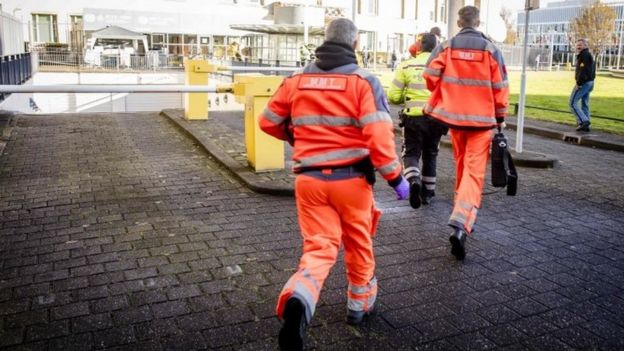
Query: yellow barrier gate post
[263, 151]
[196, 104]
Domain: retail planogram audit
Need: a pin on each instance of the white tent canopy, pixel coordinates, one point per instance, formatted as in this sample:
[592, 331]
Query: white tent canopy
[115, 32]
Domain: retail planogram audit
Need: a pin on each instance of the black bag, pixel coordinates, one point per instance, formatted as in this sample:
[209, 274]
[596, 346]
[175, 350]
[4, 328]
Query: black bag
[503, 169]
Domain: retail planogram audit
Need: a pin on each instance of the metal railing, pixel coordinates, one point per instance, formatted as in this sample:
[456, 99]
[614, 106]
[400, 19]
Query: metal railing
[115, 88]
[76, 61]
[14, 70]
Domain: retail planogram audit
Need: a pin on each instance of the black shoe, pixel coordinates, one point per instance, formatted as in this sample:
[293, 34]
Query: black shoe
[583, 127]
[458, 240]
[356, 317]
[293, 330]
[426, 196]
[414, 196]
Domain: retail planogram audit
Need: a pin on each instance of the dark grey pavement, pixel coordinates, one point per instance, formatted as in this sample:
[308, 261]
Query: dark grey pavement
[117, 231]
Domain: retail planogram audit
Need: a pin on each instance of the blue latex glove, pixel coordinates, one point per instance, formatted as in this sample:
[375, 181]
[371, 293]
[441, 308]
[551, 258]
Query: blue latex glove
[402, 190]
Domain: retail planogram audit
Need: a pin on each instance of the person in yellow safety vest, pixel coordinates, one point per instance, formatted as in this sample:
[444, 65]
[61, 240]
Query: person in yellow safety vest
[420, 132]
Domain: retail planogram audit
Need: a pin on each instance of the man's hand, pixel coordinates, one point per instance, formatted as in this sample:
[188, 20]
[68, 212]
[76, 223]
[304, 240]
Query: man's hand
[501, 125]
[402, 190]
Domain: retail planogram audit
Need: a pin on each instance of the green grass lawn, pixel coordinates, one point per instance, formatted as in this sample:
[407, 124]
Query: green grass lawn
[552, 90]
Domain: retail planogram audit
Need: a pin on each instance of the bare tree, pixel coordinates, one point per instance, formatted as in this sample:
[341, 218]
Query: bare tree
[507, 16]
[596, 23]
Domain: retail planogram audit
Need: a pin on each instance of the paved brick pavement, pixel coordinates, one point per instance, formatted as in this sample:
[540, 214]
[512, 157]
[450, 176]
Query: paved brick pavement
[118, 232]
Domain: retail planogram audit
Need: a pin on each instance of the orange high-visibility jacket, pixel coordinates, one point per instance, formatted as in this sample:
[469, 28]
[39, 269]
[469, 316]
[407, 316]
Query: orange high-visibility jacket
[340, 117]
[468, 81]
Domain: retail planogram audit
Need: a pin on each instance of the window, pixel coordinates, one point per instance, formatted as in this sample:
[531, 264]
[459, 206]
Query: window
[75, 20]
[76, 33]
[368, 7]
[45, 29]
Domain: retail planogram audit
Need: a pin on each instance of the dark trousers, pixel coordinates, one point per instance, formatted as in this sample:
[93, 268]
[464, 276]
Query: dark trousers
[421, 138]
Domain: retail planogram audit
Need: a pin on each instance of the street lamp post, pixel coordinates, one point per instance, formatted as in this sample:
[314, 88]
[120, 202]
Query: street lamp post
[620, 45]
[552, 49]
[528, 6]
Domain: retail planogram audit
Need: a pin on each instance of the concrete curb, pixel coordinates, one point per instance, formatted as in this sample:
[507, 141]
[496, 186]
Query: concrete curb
[8, 120]
[243, 174]
[589, 140]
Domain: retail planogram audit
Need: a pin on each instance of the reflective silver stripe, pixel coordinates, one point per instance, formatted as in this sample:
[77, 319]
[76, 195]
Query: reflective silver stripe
[305, 295]
[428, 108]
[362, 289]
[429, 186]
[389, 168]
[458, 217]
[473, 218]
[415, 65]
[468, 82]
[418, 86]
[500, 85]
[415, 103]
[272, 116]
[355, 305]
[306, 274]
[358, 289]
[433, 72]
[377, 116]
[371, 301]
[501, 110]
[465, 205]
[411, 169]
[331, 156]
[397, 83]
[458, 117]
[429, 179]
[333, 121]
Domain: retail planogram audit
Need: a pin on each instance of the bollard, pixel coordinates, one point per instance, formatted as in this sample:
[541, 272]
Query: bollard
[263, 151]
[196, 104]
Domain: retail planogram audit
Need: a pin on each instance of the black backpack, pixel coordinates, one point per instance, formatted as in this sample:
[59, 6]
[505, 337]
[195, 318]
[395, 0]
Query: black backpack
[503, 169]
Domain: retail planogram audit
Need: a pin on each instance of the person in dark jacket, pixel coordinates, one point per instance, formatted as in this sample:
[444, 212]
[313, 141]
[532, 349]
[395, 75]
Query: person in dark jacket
[585, 74]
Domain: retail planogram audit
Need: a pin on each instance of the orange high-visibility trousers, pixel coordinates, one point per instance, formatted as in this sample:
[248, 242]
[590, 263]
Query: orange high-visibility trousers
[331, 212]
[471, 150]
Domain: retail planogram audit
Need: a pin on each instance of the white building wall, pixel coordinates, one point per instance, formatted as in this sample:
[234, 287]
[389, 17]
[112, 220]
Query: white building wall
[11, 38]
[190, 16]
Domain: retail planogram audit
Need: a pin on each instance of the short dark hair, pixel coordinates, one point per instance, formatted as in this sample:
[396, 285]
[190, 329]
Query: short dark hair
[468, 17]
[428, 42]
[436, 31]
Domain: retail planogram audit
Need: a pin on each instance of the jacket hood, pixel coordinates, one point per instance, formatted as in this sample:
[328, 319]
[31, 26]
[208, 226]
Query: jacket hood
[331, 55]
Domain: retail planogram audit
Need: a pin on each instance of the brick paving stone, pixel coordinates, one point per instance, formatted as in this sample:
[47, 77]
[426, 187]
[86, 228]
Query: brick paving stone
[120, 233]
[546, 342]
[72, 342]
[113, 337]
